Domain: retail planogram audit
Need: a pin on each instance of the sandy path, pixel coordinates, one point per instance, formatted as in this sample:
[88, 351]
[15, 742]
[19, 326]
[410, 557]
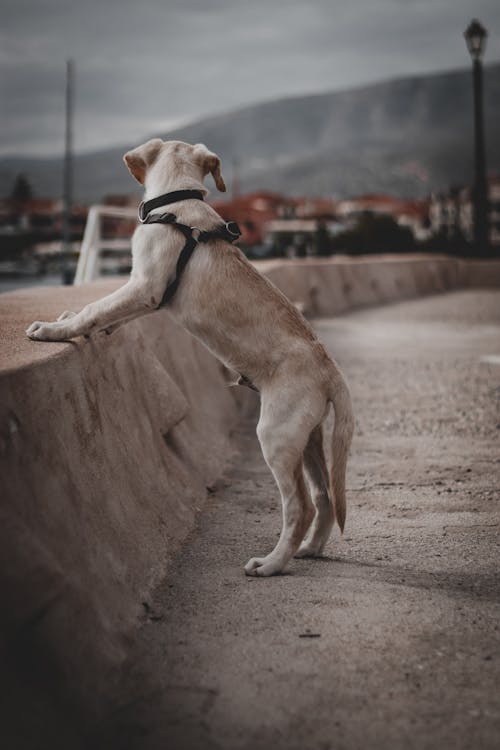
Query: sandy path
[404, 611]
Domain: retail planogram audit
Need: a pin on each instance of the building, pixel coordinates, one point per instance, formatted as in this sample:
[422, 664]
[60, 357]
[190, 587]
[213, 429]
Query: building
[41, 216]
[31, 230]
[494, 204]
[452, 214]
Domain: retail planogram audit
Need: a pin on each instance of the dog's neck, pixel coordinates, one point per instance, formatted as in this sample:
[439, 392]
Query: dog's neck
[185, 179]
[153, 191]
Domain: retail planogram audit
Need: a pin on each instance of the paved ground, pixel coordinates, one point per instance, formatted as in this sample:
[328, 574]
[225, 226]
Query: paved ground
[390, 641]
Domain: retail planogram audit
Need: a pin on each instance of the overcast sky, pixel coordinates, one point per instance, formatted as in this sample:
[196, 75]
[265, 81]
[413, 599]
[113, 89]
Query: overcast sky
[143, 66]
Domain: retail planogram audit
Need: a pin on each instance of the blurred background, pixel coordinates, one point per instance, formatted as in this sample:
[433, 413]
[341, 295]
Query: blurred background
[342, 128]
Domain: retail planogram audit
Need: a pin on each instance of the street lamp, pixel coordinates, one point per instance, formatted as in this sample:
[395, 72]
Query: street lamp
[475, 36]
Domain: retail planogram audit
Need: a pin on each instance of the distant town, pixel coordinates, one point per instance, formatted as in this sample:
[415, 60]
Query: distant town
[272, 225]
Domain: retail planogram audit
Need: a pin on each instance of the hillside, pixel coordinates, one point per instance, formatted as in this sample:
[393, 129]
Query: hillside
[407, 137]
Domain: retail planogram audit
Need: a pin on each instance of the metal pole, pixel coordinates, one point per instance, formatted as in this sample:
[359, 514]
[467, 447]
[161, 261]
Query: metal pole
[235, 186]
[481, 236]
[67, 176]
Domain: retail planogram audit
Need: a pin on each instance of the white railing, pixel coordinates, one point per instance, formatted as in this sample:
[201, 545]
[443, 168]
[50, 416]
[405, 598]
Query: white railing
[89, 260]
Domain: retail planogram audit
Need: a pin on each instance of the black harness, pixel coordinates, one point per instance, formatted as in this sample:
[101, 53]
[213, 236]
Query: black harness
[228, 231]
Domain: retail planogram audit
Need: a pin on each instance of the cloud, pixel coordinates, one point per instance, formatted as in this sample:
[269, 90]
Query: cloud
[139, 65]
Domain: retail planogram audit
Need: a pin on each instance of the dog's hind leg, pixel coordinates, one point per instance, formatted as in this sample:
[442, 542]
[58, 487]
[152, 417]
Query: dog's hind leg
[283, 431]
[317, 475]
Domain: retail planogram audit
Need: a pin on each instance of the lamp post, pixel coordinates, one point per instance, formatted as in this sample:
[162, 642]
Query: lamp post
[475, 36]
[67, 177]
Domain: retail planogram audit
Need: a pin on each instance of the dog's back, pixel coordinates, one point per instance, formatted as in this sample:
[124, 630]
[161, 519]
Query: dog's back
[238, 313]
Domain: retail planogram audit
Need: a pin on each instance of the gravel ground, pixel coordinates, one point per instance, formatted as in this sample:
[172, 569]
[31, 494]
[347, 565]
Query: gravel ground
[392, 639]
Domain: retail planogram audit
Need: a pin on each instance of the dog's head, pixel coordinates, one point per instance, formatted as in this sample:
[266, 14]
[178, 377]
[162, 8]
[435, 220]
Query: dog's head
[156, 159]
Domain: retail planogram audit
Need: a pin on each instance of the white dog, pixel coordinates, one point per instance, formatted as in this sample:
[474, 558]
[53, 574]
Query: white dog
[252, 328]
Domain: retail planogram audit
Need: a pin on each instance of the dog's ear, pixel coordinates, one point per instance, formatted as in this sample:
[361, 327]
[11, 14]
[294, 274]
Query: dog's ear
[139, 159]
[211, 163]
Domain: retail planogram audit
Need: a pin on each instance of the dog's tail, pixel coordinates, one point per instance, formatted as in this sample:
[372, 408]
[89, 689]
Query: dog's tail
[341, 441]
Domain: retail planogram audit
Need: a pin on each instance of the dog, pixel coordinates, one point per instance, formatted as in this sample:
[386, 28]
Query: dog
[248, 324]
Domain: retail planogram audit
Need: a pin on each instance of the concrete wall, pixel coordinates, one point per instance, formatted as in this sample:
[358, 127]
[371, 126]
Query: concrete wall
[106, 449]
[333, 286]
[107, 446]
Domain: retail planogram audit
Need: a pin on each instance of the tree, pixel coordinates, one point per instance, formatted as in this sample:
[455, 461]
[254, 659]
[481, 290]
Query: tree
[375, 234]
[322, 243]
[22, 191]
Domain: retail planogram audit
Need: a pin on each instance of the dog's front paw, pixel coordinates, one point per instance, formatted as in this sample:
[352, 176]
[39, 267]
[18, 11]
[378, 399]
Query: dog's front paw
[39, 331]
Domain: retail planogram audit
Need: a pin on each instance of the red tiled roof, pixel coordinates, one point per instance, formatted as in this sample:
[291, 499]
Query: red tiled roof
[252, 211]
[391, 204]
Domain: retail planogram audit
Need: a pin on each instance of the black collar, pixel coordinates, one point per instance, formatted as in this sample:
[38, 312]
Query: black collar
[145, 207]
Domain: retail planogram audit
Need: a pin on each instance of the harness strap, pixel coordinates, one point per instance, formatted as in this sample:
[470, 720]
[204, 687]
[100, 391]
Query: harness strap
[229, 232]
[182, 262]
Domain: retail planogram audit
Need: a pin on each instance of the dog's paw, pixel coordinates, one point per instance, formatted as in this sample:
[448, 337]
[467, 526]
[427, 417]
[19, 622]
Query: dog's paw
[39, 331]
[66, 314]
[310, 549]
[261, 567]
[252, 565]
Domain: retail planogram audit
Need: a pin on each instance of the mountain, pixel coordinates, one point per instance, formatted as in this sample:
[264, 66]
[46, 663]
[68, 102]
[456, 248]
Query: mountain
[406, 137]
